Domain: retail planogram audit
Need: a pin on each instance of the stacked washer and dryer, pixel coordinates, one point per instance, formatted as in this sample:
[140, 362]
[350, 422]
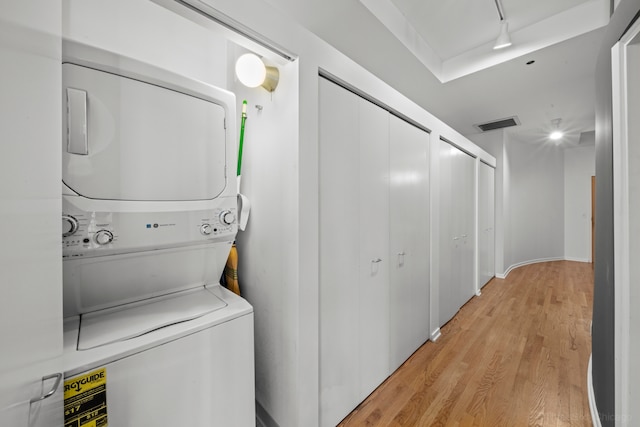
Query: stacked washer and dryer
[149, 217]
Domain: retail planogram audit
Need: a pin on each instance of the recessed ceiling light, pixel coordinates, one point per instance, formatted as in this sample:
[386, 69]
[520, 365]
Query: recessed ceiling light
[530, 62]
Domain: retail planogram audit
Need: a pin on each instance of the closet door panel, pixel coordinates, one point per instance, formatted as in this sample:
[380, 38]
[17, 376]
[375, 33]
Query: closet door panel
[457, 228]
[339, 252]
[466, 172]
[459, 205]
[409, 239]
[486, 256]
[448, 288]
[374, 243]
[490, 224]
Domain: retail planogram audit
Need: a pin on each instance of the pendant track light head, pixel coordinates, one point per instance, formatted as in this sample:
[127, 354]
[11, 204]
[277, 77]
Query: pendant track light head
[503, 40]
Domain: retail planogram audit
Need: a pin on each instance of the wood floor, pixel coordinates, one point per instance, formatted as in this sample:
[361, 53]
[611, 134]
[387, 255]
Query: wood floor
[515, 356]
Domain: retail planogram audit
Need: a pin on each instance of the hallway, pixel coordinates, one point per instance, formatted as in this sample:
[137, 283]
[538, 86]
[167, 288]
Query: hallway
[515, 356]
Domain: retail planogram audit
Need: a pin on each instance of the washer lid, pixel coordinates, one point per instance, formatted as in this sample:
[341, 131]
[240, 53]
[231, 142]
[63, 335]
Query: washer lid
[133, 320]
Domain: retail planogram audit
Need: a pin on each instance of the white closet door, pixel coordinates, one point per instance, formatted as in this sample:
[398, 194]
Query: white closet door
[459, 205]
[448, 289]
[486, 244]
[409, 239]
[466, 166]
[339, 253]
[374, 243]
[491, 224]
[457, 241]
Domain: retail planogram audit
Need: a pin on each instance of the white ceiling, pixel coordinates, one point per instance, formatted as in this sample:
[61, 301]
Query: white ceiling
[434, 18]
[439, 54]
[456, 38]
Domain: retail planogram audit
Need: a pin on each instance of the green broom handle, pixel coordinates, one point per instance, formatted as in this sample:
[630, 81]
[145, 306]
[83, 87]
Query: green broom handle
[244, 118]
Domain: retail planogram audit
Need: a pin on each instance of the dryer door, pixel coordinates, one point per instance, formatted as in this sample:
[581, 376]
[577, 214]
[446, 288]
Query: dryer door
[125, 139]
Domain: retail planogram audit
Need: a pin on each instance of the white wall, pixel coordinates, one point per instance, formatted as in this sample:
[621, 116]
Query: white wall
[530, 200]
[150, 33]
[267, 250]
[579, 167]
[536, 202]
[30, 204]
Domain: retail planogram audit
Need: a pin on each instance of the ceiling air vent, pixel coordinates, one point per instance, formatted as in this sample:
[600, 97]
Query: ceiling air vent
[498, 124]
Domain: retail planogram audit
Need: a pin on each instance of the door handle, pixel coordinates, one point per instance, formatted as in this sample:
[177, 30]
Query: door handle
[375, 261]
[77, 122]
[401, 258]
[51, 392]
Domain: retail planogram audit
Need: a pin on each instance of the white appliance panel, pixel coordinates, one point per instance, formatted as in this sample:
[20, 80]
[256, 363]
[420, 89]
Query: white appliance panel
[204, 379]
[133, 320]
[103, 282]
[128, 231]
[125, 139]
[195, 373]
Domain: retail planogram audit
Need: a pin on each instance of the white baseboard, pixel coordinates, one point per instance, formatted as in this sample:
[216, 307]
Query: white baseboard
[595, 419]
[586, 260]
[521, 264]
[435, 335]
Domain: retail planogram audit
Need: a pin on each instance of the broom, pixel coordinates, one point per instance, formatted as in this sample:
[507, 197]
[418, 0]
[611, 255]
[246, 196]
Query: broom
[231, 268]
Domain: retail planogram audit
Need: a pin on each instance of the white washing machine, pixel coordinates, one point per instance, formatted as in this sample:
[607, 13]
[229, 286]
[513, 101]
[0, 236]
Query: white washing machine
[149, 217]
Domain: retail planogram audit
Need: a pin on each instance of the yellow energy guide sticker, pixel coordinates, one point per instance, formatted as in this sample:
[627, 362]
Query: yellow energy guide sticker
[85, 400]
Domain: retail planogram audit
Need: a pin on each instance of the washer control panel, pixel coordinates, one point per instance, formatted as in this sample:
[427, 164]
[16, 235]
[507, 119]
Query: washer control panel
[97, 233]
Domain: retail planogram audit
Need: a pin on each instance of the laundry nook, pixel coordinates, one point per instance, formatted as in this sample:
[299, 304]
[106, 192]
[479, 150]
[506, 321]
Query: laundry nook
[278, 213]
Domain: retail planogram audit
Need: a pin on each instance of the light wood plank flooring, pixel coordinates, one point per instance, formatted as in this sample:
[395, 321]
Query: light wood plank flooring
[515, 356]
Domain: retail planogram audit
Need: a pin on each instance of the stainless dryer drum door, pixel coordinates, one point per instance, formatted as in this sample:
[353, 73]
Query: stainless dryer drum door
[130, 140]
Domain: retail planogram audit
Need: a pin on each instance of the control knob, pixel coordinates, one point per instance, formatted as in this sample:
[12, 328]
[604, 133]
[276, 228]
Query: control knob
[206, 229]
[69, 225]
[104, 237]
[227, 217]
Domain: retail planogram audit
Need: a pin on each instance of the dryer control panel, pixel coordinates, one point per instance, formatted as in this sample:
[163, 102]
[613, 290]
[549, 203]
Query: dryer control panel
[98, 232]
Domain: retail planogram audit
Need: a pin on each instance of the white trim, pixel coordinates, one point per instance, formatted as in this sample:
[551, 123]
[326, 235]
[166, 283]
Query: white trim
[523, 263]
[595, 419]
[621, 224]
[535, 261]
[476, 226]
[214, 15]
[435, 335]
